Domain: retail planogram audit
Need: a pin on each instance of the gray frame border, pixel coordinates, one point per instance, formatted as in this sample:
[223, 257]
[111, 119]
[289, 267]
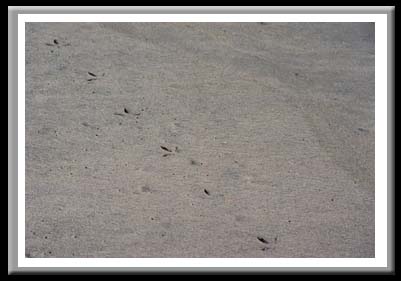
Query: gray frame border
[13, 12]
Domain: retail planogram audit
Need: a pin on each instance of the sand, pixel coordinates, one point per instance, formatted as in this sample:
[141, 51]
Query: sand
[211, 140]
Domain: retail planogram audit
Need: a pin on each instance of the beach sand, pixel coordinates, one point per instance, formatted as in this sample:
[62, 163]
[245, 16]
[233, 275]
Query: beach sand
[210, 140]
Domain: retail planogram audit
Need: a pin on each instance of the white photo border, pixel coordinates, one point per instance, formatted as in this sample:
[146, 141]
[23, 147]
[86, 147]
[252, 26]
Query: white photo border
[380, 259]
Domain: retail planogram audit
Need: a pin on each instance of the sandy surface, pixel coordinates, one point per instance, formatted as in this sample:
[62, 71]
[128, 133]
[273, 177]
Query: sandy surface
[270, 128]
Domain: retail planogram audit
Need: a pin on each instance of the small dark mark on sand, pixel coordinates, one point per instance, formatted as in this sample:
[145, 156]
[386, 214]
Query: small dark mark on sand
[362, 130]
[145, 188]
[51, 51]
[97, 135]
[275, 239]
[86, 167]
[265, 248]
[48, 44]
[193, 162]
[126, 110]
[165, 155]
[289, 221]
[152, 219]
[296, 73]
[206, 191]
[50, 252]
[165, 148]
[55, 41]
[261, 239]
[91, 74]
[262, 23]
[91, 79]
[45, 237]
[332, 199]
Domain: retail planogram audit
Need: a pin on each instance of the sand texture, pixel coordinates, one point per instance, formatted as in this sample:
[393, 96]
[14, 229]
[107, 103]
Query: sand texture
[213, 140]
